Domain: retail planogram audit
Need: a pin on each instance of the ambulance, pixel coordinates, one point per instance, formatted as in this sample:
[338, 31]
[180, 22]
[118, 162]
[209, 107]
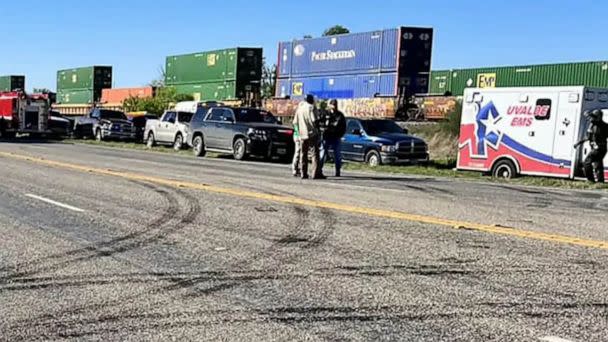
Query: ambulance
[527, 131]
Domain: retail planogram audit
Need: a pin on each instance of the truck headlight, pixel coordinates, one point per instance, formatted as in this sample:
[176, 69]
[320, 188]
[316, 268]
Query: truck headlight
[389, 148]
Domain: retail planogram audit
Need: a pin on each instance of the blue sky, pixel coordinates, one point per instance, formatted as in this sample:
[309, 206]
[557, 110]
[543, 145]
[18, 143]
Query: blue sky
[134, 36]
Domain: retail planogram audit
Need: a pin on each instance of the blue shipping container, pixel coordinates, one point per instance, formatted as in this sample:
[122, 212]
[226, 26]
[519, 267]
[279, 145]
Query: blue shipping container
[339, 87]
[358, 53]
[284, 62]
[341, 54]
[405, 51]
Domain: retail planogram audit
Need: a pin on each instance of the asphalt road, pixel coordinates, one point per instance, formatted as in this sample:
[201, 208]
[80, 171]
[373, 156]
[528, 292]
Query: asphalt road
[150, 246]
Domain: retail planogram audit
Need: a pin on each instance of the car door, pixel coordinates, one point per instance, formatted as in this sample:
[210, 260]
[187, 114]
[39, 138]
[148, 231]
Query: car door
[213, 127]
[87, 123]
[227, 128]
[197, 122]
[166, 127]
[353, 143]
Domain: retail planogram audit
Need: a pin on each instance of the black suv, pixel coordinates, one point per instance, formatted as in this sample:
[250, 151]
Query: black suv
[241, 131]
[105, 124]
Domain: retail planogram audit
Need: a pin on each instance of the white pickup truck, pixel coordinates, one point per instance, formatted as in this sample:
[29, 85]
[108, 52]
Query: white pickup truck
[172, 129]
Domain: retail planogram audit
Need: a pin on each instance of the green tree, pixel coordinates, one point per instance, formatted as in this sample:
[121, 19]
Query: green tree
[269, 80]
[165, 97]
[335, 30]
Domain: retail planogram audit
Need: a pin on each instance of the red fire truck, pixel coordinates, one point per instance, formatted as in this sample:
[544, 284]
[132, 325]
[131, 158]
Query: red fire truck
[23, 113]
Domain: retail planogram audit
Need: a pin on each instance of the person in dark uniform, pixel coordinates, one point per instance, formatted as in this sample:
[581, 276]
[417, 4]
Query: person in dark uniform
[597, 136]
[335, 128]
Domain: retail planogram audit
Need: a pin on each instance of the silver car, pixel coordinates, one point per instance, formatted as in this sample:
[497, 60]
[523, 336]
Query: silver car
[172, 129]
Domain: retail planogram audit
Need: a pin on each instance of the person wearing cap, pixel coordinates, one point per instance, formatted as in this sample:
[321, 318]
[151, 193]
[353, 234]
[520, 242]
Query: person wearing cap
[597, 136]
[335, 128]
[306, 121]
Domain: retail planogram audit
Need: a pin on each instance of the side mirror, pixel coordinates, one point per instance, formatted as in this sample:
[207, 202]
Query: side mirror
[231, 120]
[357, 131]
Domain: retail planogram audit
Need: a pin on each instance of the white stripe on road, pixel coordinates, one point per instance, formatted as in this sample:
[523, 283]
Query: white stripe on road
[50, 201]
[554, 339]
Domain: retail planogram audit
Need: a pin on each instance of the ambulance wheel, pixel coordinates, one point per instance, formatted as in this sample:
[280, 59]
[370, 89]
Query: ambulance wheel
[504, 169]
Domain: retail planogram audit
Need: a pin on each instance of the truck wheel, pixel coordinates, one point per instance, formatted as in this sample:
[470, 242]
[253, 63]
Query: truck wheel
[373, 159]
[150, 142]
[76, 132]
[98, 135]
[504, 169]
[178, 144]
[198, 146]
[240, 149]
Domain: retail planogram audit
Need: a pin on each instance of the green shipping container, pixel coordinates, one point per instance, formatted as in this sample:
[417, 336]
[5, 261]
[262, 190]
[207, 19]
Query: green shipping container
[76, 96]
[210, 91]
[94, 77]
[440, 82]
[215, 66]
[591, 74]
[218, 91]
[10, 83]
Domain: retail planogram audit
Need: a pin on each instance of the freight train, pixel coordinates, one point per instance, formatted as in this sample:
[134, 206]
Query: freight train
[393, 64]
[455, 81]
[375, 74]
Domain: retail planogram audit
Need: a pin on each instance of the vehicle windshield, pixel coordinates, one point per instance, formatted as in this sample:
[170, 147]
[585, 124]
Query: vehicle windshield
[374, 127]
[184, 117]
[254, 115]
[112, 114]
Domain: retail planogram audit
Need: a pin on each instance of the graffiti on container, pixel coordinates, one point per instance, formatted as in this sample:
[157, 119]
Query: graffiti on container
[372, 107]
[281, 107]
[363, 107]
[437, 107]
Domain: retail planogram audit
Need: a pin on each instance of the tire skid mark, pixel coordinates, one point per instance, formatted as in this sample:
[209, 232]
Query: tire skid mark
[158, 233]
[315, 314]
[102, 249]
[34, 283]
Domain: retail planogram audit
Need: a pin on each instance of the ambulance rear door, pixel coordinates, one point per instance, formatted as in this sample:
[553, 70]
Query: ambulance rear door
[566, 131]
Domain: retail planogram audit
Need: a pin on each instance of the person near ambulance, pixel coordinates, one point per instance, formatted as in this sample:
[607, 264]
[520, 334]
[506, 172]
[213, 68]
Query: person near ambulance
[335, 128]
[597, 136]
[306, 120]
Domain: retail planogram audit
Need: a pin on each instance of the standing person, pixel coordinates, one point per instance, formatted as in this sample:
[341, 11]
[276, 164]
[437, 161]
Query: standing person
[322, 125]
[332, 137]
[307, 120]
[597, 136]
[295, 165]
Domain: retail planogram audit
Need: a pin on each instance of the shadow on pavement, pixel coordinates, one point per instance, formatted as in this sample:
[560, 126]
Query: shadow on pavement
[372, 178]
[27, 140]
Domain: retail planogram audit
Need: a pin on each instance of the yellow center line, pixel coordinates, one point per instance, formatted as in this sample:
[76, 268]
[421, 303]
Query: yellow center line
[391, 214]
